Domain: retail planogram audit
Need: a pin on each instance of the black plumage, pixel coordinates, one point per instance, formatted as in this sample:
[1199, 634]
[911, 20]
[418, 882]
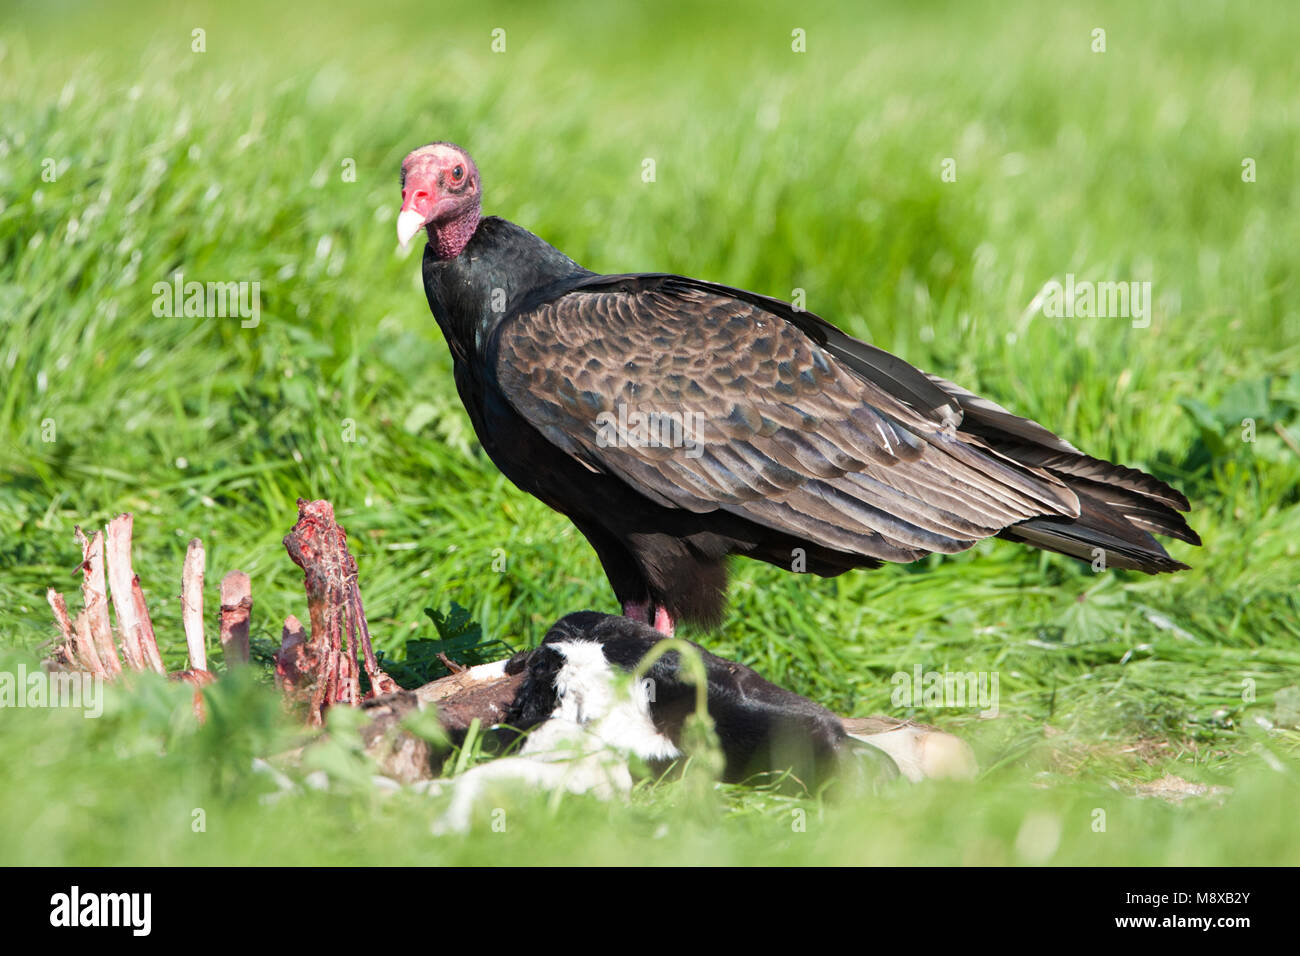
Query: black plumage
[791, 442]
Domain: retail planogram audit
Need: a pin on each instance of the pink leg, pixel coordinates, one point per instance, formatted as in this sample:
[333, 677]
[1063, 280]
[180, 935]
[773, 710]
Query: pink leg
[664, 622]
[637, 611]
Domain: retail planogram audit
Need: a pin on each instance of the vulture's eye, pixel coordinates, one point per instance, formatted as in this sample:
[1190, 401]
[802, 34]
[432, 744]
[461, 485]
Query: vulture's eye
[458, 173]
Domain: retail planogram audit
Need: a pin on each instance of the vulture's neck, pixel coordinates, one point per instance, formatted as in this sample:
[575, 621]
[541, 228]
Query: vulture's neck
[498, 270]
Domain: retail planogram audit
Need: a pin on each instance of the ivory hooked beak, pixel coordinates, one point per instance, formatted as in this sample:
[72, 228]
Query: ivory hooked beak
[409, 222]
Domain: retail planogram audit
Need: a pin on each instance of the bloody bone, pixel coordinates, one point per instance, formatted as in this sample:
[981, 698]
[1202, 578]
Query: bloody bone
[319, 546]
[94, 598]
[319, 669]
[323, 668]
[135, 630]
[192, 604]
[236, 609]
[89, 643]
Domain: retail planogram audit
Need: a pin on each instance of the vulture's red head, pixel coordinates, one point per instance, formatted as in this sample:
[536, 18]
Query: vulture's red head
[441, 192]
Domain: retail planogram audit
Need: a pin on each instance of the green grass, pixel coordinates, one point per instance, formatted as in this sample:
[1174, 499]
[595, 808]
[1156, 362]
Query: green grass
[775, 171]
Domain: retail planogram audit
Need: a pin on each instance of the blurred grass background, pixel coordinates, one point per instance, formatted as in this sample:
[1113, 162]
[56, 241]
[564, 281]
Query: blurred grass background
[775, 170]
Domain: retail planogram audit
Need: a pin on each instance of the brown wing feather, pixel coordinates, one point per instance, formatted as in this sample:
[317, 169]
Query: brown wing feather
[784, 434]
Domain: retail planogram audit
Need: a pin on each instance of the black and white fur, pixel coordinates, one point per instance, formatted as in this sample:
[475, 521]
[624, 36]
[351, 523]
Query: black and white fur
[583, 719]
[761, 727]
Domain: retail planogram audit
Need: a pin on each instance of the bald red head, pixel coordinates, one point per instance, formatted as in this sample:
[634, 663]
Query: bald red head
[441, 193]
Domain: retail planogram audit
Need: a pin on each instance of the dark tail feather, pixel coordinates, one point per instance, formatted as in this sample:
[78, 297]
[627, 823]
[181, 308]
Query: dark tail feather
[1120, 503]
[1119, 508]
[1099, 528]
[1119, 511]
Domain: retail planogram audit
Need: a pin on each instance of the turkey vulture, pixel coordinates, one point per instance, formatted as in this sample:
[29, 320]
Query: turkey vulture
[677, 421]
